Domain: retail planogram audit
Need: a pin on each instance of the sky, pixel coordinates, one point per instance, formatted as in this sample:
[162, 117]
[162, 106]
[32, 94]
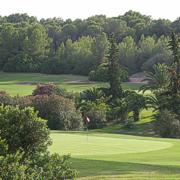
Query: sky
[167, 9]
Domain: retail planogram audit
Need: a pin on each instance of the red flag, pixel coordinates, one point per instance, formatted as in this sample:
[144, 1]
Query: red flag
[87, 119]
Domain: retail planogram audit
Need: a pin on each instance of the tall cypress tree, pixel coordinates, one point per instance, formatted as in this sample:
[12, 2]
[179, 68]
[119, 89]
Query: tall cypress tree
[114, 69]
[174, 44]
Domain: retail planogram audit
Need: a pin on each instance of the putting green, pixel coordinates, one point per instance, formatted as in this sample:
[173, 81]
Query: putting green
[80, 145]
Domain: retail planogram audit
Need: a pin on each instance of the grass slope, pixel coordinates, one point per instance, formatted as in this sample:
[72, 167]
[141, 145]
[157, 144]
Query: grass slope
[24, 83]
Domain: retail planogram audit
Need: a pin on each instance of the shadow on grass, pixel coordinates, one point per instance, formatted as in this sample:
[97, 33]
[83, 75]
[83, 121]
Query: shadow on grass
[87, 167]
[144, 129]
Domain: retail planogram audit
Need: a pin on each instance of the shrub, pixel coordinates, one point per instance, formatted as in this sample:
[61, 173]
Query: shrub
[100, 74]
[50, 89]
[23, 148]
[23, 129]
[96, 113]
[59, 111]
[167, 124]
[45, 89]
[118, 110]
[136, 102]
[5, 98]
[11, 167]
[22, 101]
[52, 166]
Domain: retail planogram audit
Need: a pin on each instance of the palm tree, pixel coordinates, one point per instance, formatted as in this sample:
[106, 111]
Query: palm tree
[157, 81]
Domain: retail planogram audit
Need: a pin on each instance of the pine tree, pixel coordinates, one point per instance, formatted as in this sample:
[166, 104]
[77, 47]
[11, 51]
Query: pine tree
[114, 69]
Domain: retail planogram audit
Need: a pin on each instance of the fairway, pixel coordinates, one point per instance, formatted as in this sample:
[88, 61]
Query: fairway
[24, 83]
[118, 156]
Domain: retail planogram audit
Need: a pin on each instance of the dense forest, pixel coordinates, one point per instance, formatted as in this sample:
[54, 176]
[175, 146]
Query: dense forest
[81, 46]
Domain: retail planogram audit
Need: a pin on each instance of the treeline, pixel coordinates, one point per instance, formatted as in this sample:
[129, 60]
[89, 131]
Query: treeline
[80, 46]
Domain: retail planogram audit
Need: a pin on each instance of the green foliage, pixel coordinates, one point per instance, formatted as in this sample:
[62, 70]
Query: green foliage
[128, 50]
[167, 124]
[77, 47]
[129, 123]
[5, 98]
[100, 74]
[136, 102]
[96, 112]
[114, 69]
[30, 132]
[159, 80]
[154, 60]
[24, 139]
[52, 166]
[92, 104]
[93, 95]
[165, 84]
[46, 89]
[20, 63]
[11, 167]
[59, 111]
[22, 48]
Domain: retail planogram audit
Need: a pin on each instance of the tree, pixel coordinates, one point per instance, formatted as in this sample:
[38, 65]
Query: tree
[114, 69]
[136, 102]
[100, 49]
[157, 81]
[128, 51]
[174, 44]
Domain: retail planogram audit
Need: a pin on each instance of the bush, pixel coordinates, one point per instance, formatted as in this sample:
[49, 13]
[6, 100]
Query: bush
[5, 98]
[22, 101]
[100, 74]
[96, 113]
[167, 124]
[45, 89]
[59, 111]
[23, 129]
[136, 102]
[23, 148]
[52, 166]
[118, 110]
[50, 89]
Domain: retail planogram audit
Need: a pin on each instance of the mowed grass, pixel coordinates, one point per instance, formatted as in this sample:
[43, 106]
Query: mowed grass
[24, 83]
[118, 153]
[118, 156]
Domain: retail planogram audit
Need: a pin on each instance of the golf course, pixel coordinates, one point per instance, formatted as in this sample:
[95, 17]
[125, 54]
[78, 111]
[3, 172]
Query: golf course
[89, 90]
[118, 156]
[109, 153]
[24, 83]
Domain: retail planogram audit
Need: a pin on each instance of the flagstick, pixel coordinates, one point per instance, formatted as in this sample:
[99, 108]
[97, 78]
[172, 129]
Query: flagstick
[87, 134]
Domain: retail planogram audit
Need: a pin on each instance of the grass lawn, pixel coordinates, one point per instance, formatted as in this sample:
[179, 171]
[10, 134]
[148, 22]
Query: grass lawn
[117, 156]
[117, 153]
[24, 83]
